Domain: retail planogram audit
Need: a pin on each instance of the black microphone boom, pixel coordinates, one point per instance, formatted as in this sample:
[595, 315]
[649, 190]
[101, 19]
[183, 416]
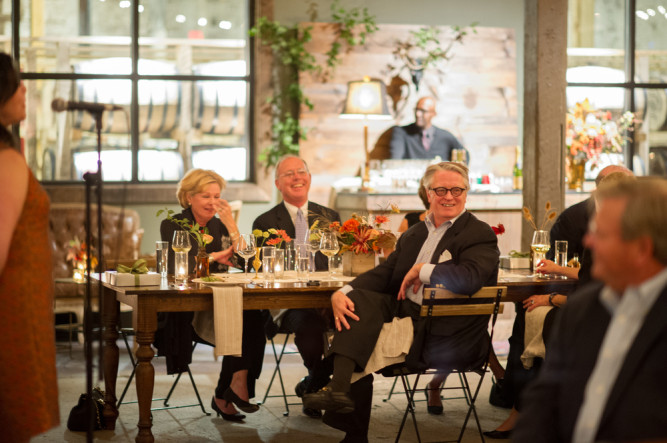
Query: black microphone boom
[60, 105]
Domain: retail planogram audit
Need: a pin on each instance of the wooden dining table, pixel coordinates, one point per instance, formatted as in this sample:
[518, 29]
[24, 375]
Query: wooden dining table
[147, 301]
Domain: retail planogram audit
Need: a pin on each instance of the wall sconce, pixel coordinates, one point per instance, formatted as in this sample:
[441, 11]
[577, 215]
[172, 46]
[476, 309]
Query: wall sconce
[366, 99]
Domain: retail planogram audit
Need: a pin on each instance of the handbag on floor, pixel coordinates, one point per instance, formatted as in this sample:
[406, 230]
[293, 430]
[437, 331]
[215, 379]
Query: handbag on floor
[77, 416]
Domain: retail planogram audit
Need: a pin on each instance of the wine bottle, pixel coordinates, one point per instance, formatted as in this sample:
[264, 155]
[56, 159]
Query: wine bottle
[517, 173]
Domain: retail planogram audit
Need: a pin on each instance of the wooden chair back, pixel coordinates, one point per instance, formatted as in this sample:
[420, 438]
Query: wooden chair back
[440, 302]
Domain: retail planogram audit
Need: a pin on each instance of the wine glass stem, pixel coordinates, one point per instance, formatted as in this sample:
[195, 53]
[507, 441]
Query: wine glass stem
[329, 259]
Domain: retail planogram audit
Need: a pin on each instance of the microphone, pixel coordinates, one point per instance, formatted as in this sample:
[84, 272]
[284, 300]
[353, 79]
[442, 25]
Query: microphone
[60, 105]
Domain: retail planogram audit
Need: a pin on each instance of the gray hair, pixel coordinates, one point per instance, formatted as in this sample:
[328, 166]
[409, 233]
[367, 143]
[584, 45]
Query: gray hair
[646, 210]
[459, 168]
[286, 157]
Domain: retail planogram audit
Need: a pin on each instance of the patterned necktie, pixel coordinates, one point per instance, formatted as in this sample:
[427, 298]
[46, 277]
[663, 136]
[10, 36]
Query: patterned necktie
[300, 227]
[426, 140]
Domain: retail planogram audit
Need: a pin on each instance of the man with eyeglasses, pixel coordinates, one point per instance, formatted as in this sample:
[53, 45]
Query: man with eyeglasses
[295, 214]
[422, 140]
[451, 247]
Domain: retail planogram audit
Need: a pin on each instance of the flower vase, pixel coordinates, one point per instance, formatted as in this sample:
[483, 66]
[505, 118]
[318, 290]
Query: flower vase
[355, 264]
[202, 263]
[257, 262]
[575, 166]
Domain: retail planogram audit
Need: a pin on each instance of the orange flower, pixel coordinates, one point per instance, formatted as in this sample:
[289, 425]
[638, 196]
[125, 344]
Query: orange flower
[379, 219]
[350, 225]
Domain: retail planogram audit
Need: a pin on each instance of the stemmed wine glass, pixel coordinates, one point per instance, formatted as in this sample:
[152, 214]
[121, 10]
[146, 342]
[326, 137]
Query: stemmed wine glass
[245, 247]
[181, 245]
[329, 247]
[313, 241]
[540, 246]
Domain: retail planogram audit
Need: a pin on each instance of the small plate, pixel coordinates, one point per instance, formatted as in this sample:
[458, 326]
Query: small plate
[216, 283]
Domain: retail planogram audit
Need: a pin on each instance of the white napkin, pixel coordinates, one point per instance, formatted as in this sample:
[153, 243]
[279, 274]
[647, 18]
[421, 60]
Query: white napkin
[392, 346]
[533, 341]
[224, 325]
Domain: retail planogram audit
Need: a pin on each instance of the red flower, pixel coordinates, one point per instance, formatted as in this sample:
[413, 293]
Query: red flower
[500, 229]
[350, 225]
[379, 219]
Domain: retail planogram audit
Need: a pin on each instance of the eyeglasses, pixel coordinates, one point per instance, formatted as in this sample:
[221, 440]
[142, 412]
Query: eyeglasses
[291, 174]
[441, 192]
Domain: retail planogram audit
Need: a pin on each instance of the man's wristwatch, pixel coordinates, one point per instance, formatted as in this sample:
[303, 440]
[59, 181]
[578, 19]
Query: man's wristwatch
[551, 298]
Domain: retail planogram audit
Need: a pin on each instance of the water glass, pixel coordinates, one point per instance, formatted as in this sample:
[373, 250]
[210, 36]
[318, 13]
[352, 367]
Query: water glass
[279, 265]
[162, 257]
[561, 253]
[302, 261]
[268, 263]
[181, 245]
[336, 266]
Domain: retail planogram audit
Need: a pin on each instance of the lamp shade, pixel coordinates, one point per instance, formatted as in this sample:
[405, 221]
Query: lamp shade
[366, 99]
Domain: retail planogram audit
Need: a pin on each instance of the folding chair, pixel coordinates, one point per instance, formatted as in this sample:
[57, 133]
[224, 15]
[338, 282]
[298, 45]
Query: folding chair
[125, 332]
[278, 372]
[440, 302]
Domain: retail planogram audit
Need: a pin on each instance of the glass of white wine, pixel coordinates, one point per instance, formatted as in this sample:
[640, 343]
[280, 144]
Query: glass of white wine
[181, 245]
[329, 247]
[540, 246]
[245, 247]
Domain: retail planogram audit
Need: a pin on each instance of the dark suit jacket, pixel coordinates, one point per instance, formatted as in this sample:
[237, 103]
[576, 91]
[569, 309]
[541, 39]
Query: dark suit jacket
[475, 255]
[571, 225]
[406, 143]
[636, 408]
[278, 218]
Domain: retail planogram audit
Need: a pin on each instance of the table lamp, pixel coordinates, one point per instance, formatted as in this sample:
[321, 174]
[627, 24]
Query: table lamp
[366, 99]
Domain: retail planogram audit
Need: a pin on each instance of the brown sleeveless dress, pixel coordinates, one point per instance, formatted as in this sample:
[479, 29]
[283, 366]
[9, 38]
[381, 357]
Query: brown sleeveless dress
[28, 380]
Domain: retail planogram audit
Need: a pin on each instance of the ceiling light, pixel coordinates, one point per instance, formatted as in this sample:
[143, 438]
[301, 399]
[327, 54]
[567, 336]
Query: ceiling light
[650, 12]
[661, 9]
[202, 21]
[180, 18]
[642, 15]
[224, 24]
[124, 4]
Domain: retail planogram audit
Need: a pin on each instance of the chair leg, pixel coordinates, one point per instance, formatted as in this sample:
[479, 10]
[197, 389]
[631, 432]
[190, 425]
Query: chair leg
[391, 391]
[410, 408]
[277, 371]
[471, 408]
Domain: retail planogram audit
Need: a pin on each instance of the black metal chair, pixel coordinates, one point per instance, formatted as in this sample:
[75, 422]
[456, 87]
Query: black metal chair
[126, 332]
[440, 302]
[276, 371]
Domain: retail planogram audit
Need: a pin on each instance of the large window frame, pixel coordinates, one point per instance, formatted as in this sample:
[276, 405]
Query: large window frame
[135, 78]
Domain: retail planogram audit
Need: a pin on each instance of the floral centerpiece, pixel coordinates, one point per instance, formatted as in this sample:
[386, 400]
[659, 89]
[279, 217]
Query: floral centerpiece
[272, 237]
[199, 233]
[363, 235]
[589, 133]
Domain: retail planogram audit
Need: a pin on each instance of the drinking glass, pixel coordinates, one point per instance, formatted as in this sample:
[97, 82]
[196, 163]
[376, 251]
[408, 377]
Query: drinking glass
[329, 247]
[290, 256]
[181, 245]
[279, 265]
[302, 261]
[336, 266]
[561, 254]
[245, 247]
[539, 246]
[162, 257]
[314, 236]
[268, 263]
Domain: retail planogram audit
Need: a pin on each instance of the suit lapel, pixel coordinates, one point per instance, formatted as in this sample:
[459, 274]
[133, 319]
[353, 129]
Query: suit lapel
[654, 325]
[451, 233]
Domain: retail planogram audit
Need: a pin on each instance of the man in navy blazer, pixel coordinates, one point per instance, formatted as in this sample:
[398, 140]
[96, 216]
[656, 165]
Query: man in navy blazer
[293, 181]
[603, 376]
[422, 140]
[450, 248]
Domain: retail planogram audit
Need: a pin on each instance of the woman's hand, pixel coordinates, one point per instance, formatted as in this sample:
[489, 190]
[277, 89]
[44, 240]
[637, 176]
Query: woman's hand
[534, 301]
[224, 211]
[342, 307]
[549, 267]
[223, 256]
[411, 279]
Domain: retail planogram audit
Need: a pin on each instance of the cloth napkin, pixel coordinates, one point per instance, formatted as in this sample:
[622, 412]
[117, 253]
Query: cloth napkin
[224, 325]
[533, 341]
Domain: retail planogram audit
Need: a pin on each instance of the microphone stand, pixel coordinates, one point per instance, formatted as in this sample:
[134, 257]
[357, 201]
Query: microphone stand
[93, 184]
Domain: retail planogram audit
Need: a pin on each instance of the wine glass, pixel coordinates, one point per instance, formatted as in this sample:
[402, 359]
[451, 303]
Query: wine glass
[329, 247]
[245, 247]
[313, 241]
[540, 246]
[181, 245]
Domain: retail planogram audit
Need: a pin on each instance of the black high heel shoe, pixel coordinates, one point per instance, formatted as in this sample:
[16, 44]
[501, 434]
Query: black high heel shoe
[499, 435]
[231, 397]
[228, 417]
[433, 410]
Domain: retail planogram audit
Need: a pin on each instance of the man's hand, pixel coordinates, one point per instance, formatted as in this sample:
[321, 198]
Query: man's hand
[342, 307]
[223, 256]
[411, 278]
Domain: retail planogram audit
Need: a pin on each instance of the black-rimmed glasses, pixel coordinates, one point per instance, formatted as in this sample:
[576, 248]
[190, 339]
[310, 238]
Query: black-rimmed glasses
[442, 191]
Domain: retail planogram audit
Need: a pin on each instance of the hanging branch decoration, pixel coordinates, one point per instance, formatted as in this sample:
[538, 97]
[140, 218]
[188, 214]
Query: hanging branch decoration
[288, 44]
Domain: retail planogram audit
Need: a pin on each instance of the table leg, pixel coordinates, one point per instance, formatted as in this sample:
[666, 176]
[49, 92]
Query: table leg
[110, 317]
[145, 374]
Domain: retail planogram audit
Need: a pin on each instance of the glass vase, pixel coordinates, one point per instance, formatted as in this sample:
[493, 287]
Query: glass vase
[202, 264]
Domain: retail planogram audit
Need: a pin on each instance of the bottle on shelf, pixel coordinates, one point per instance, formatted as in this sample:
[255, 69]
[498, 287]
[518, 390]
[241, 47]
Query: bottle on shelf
[575, 261]
[517, 173]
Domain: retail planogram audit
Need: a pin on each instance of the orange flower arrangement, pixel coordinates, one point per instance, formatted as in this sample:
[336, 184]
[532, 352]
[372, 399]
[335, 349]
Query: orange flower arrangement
[263, 237]
[363, 235]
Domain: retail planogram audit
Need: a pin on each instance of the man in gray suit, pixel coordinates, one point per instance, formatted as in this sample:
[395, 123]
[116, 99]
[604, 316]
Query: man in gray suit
[422, 140]
[308, 325]
[603, 377]
[451, 247]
